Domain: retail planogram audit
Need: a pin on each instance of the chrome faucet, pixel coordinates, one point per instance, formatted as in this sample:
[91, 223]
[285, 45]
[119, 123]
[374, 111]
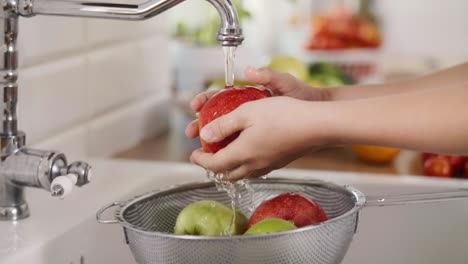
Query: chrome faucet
[229, 34]
[23, 167]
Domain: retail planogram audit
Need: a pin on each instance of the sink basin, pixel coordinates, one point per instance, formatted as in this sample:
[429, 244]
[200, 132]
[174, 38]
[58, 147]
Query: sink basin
[65, 231]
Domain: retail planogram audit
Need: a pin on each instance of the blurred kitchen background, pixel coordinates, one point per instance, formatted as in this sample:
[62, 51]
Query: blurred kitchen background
[121, 89]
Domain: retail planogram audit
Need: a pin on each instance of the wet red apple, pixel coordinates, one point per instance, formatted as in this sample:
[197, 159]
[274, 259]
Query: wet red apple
[293, 207]
[222, 103]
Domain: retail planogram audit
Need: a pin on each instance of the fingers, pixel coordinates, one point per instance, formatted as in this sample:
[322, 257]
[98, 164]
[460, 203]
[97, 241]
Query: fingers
[197, 103]
[192, 130]
[245, 172]
[219, 162]
[261, 76]
[233, 161]
[224, 126]
[279, 83]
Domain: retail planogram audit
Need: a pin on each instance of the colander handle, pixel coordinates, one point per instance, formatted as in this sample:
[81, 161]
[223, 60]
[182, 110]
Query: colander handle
[416, 198]
[105, 208]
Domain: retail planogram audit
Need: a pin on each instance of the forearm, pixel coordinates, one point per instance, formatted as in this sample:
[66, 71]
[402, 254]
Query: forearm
[451, 77]
[427, 120]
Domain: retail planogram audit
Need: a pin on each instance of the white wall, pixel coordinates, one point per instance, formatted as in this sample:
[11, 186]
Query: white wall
[425, 27]
[92, 87]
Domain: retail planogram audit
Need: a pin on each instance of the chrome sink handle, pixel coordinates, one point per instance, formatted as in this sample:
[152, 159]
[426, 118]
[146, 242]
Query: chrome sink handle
[37, 169]
[76, 174]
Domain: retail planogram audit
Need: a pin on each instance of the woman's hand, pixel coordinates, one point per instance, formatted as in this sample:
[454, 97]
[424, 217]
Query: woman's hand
[284, 84]
[274, 132]
[281, 84]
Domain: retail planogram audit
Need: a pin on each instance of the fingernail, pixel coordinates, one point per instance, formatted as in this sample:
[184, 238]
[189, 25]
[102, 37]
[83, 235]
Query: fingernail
[207, 134]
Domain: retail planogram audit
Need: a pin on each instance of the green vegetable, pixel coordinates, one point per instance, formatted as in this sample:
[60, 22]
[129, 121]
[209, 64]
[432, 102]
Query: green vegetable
[328, 74]
[324, 68]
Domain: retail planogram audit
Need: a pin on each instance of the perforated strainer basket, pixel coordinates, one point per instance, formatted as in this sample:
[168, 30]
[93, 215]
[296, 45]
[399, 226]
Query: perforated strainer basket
[148, 222]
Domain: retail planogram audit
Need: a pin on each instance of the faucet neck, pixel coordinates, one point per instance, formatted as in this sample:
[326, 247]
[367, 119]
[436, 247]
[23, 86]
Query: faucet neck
[11, 140]
[230, 32]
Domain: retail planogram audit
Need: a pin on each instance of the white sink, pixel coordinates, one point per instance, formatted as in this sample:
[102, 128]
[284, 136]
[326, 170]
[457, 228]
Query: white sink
[65, 232]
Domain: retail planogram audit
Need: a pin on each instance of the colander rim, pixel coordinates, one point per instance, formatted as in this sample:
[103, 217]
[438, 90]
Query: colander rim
[358, 196]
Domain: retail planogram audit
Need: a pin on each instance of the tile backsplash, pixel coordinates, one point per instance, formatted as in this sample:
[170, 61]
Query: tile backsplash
[92, 87]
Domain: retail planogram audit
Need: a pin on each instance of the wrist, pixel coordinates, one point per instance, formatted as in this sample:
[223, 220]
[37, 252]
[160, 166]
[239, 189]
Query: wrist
[323, 123]
[326, 94]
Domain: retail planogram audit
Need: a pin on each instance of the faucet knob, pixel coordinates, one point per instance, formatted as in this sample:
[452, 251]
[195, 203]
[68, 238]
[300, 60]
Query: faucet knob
[76, 174]
[63, 185]
[82, 170]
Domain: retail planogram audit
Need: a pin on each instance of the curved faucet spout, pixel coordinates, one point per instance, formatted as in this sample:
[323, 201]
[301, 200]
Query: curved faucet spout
[230, 32]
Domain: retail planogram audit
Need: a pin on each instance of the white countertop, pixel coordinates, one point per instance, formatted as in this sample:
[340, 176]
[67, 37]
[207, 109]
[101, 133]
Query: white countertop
[119, 179]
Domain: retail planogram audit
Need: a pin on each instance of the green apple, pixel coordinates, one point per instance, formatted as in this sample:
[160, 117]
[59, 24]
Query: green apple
[270, 225]
[209, 218]
[290, 65]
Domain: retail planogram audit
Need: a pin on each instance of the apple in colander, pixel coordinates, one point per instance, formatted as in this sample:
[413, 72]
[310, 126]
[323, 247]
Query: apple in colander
[209, 218]
[270, 225]
[294, 207]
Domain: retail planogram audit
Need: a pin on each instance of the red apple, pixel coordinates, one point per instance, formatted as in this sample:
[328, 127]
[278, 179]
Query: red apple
[425, 156]
[438, 166]
[457, 163]
[222, 103]
[293, 207]
[466, 170]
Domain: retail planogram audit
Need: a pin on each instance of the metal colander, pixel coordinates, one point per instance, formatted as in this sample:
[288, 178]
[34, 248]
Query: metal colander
[148, 222]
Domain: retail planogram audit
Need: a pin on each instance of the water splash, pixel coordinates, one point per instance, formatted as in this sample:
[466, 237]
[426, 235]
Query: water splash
[233, 190]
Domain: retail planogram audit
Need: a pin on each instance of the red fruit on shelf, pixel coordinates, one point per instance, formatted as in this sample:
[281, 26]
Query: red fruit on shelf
[222, 103]
[438, 166]
[369, 34]
[292, 207]
[425, 156]
[466, 170]
[457, 163]
[341, 29]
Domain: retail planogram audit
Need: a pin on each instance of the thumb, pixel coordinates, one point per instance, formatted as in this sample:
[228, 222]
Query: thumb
[222, 127]
[263, 76]
[278, 82]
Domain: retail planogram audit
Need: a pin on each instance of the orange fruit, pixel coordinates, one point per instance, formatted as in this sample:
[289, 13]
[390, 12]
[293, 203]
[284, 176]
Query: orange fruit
[376, 154]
